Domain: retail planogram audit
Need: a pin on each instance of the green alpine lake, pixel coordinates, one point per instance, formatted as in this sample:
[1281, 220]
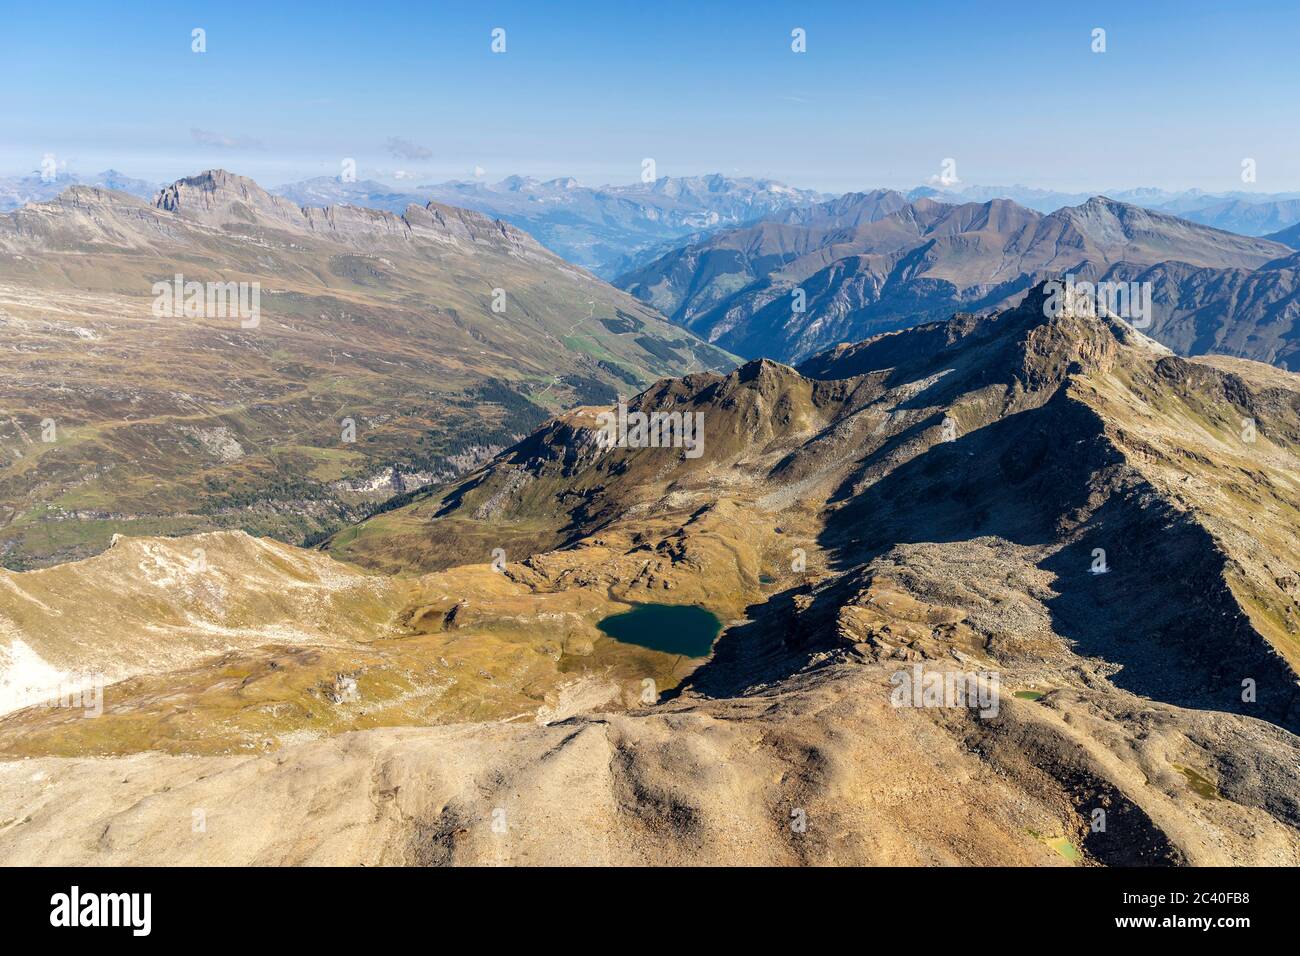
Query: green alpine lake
[670, 628]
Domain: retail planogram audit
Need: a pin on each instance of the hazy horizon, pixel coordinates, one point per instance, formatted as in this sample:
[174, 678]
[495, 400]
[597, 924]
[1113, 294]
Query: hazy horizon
[411, 184]
[1012, 98]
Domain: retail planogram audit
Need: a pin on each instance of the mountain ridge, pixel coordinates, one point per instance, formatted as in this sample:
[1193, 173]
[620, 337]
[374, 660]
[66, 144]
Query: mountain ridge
[735, 288]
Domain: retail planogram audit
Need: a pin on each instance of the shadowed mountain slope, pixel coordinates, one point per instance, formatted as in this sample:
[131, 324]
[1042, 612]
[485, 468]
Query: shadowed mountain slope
[1290, 236]
[1242, 313]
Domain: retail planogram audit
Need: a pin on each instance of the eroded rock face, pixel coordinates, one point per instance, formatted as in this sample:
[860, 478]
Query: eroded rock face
[1046, 507]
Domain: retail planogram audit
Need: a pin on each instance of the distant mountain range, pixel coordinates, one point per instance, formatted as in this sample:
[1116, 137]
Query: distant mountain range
[612, 230]
[389, 350]
[872, 262]
[17, 190]
[719, 253]
[1247, 213]
[606, 229]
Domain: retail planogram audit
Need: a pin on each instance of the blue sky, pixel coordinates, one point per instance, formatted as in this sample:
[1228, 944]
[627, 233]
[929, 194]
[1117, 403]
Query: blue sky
[1012, 91]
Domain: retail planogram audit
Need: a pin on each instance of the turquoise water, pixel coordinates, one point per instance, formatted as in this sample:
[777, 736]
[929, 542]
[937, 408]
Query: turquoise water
[670, 628]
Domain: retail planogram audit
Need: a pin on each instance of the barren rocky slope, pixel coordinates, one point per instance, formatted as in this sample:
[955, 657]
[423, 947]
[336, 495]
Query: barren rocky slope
[1052, 499]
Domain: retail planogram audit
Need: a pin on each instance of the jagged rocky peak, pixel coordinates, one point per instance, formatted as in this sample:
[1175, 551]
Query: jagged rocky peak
[1065, 333]
[764, 373]
[208, 189]
[217, 196]
[1094, 305]
[564, 444]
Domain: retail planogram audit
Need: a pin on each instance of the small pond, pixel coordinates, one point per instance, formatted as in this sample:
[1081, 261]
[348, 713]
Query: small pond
[669, 628]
